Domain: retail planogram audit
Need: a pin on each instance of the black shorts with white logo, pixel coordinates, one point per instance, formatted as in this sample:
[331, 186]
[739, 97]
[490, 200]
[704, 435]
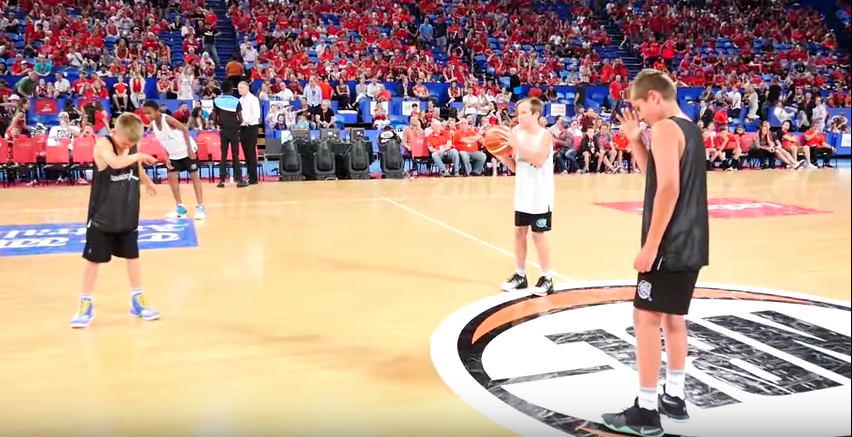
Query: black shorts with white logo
[102, 246]
[185, 164]
[537, 222]
[666, 292]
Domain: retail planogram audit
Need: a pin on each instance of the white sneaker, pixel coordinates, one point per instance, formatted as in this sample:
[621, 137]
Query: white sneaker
[179, 212]
[200, 212]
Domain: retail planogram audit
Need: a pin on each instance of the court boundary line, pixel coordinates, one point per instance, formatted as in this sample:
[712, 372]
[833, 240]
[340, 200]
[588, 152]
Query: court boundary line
[464, 234]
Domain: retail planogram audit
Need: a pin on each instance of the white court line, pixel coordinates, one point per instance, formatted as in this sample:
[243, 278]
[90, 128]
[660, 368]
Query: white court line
[469, 236]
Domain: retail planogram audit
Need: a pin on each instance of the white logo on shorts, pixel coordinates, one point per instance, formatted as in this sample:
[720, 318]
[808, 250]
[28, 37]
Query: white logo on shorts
[644, 290]
[541, 223]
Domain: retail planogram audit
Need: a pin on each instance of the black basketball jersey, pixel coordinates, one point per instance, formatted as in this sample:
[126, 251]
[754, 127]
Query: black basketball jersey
[114, 199]
[686, 241]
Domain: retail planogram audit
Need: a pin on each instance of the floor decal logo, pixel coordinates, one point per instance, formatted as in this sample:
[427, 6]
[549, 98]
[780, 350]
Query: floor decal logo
[761, 362]
[54, 238]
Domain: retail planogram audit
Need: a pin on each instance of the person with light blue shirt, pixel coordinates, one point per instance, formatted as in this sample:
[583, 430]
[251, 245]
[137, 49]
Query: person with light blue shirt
[426, 31]
[303, 122]
[43, 66]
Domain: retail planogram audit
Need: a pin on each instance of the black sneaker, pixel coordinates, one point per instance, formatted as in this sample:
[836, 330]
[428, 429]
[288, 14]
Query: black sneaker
[242, 184]
[516, 282]
[635, 421]
[221, 184]
[672, 407]
[543, 287]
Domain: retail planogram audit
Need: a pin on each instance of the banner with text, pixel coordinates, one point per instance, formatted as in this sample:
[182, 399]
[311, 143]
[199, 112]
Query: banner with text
[58, 238]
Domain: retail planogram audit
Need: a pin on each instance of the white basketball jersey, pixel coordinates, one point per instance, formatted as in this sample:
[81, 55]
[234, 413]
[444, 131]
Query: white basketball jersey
[172, 140]
[533, 185]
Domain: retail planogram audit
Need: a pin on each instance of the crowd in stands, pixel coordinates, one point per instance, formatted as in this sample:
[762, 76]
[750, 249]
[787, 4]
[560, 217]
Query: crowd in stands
[588, 143]
[737, 42]
[760, 57]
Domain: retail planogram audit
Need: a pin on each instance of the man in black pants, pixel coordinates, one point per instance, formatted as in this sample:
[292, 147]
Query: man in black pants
[248, 131]
[227, 115]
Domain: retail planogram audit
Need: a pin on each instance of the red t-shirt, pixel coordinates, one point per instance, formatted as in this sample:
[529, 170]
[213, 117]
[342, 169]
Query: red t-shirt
[816, 140]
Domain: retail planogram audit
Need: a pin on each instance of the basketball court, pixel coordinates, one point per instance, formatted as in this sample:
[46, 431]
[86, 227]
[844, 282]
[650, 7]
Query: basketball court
[309, 308]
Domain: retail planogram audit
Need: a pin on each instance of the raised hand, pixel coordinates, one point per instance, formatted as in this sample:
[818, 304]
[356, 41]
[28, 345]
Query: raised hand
[630, 124]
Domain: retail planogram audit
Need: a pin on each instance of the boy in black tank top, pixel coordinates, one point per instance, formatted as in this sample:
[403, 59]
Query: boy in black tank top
[675, 246]
[113, 218]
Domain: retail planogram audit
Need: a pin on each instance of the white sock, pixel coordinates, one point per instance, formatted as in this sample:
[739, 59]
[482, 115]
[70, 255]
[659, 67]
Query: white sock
[545, 273]
[86, 297]
[135, 291]
[520, 272]
[648, 398]
[674, 382]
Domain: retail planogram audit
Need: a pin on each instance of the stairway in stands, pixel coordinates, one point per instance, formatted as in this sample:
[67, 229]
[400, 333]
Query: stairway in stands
[226, 42]
[631, 60]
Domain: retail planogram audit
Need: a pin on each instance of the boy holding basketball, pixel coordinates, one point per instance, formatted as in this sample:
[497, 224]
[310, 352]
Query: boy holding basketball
[532, 163]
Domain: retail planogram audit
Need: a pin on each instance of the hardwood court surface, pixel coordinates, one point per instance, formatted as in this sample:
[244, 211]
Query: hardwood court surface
[308, 307]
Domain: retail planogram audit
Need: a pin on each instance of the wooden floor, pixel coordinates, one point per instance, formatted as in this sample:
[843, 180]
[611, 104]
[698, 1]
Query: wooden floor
[308, 307]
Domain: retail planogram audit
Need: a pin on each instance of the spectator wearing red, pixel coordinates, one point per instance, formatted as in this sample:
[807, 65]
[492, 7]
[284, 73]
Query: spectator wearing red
[382, 95]
[440, 144]
[615, 92]
[720, 117]
[820, 149]
[100, 121]
[466, 141]
[325, 88]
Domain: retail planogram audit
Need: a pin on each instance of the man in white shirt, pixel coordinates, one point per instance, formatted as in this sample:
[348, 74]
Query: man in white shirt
[249, 56]
[471, 106]
[61, 84]
[534, 188]
[373, 88]
[248, 132]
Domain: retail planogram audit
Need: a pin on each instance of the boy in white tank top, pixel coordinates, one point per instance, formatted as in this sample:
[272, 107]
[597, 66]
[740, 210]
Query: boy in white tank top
[533, 167]
[180, 150]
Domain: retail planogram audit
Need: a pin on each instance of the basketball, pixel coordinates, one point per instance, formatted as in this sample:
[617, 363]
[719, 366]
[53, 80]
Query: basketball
[494, 142]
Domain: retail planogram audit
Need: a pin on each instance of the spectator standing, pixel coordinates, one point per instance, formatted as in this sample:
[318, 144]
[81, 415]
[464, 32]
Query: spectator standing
[249, 54]
[185, 81]
[227, 115]
[615, 91]
[819, 115]
[426, 32]
[248, 131]
[25, 87]
[209, 39]
[313, 95]
[234, 71]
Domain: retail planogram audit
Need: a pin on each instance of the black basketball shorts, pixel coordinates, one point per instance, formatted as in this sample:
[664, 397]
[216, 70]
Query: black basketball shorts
[537, 222]
[185, 164]
[102, 246]
[666, 292]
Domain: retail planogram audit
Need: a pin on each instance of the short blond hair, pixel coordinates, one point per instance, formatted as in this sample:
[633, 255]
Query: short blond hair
[129, 126]
[653, 80]
[536, 105]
